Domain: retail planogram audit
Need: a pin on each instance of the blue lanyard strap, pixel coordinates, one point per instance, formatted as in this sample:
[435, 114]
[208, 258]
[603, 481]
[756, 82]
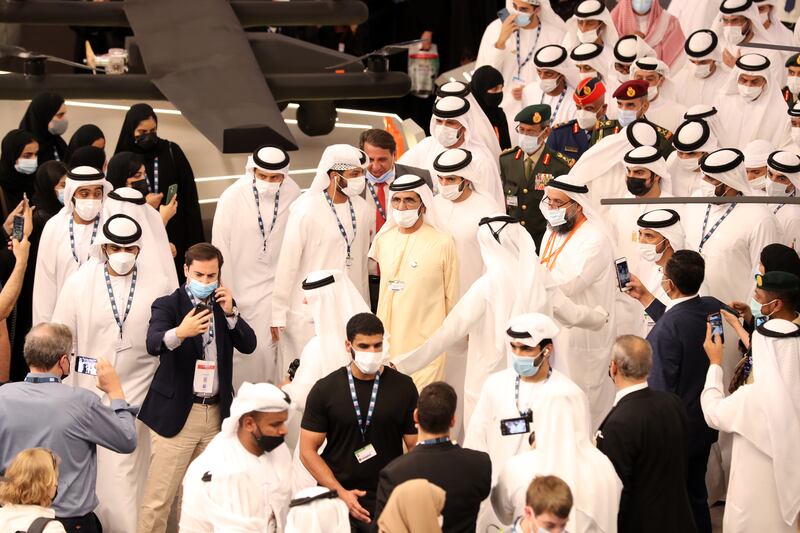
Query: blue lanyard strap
[341, 227]
[211, 316]
[558, 105]
[49, 379]
[154, 190]
[377, 202]
[72, 236]
[431, 442]
[706, 236]
[363, 425]
[120, 320]
[775, 211]
[530, 53]
[264, 235]
[516, 395]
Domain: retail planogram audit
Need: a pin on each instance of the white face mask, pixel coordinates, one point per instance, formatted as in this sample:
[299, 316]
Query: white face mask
[586, 119]
[122, 262]
[446, 135]
[776, 189]
[267, 187]
[27, 166]
[691, 164]
[733, 34]
[368, 362]
[589, 74]
[707, 189]
[528, 143]
[587, 36]
[354, 186]
[748, 92]
[450, 192]
[759, 184]
[793, 84]
[88, 209]
[622, 78]
[796, 134]
[549, 85]
[652, 92]
[554, 217]
[764, 18]
[701, 70]
[405, 219]
[648, 252]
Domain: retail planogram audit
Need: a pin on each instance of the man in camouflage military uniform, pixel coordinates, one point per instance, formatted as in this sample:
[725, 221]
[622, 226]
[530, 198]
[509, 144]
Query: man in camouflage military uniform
[632, 101]
[526, 169]
[792, 87]
[573, 138]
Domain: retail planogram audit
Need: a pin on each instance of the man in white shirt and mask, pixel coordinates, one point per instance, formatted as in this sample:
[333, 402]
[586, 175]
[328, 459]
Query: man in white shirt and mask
[556, 78]
[591, 60]
[702, 77]
[763, 418]
[770, 20]
[792, 142]
[739, 22]
[627, 49]
[240, 482]
[249, 224]
[755, 164]
[509, 400]
[577, 249]
[783, 177]
[509, 46]
[662, 109]
[692, 140]
[330, 227]
[106, 305]
[591, 23]
[751, 106]
[67, 236]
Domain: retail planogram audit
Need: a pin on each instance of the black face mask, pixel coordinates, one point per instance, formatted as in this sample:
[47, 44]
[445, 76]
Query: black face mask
[638, 187]
[493, 99]
[147, 141]
[141, 186]
[267, 444]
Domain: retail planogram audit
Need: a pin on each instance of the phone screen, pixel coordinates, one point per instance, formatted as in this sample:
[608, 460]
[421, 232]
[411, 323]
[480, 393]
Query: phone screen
[623, 274]
[515, 426]
[17, 229]
[503, 14]
[86, 365]
[715, 320]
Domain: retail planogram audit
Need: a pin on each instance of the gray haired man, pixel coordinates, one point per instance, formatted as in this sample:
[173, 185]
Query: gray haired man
[43, 412]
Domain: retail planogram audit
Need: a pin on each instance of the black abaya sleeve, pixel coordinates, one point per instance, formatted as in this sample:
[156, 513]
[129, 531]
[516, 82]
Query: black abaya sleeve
[188, 203]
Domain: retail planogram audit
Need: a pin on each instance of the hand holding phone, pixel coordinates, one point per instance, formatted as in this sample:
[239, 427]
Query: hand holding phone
[18, 227]
[623, 274]
[715, 319]
[171, 192]
[86, 365]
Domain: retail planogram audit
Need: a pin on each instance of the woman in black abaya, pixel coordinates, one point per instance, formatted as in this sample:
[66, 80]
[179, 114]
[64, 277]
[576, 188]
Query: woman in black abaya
[166, 165]
[487, 88]
[86, 135]
[18, 163]
[46, 118]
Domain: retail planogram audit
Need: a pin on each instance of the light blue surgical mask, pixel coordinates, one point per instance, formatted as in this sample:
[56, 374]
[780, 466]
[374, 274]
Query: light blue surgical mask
[522, 19]
[388, 176]
[525, 366]
[60, 195]
[201, 290]
[27, 166]
[642, 6]
[626, 116]
[756, 307]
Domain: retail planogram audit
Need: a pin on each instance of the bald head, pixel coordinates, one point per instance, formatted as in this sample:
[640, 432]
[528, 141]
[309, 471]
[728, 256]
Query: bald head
[633, 357]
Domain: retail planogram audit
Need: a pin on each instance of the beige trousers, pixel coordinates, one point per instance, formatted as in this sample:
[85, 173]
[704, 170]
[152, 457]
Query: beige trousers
[169, 459]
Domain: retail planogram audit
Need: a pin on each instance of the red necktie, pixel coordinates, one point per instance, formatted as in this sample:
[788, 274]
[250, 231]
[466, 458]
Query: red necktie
[381, 193]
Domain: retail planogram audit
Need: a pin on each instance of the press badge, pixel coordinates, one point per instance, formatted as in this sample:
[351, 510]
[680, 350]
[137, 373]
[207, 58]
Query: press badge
[512, 201]
[204, 376]
[366, 453]
[396, 285]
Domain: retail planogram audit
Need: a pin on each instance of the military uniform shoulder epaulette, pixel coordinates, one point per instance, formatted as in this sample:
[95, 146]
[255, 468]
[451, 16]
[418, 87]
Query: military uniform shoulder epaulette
[567, 160]
[563, 124]
[610, 123]
[508, 150]
[663, 131]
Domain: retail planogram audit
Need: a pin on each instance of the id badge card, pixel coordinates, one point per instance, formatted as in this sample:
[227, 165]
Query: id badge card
[397, 285]
[366, 453]
[204, 376]
[123, 343]
[512, 201]
[517, 80]
[348, 261]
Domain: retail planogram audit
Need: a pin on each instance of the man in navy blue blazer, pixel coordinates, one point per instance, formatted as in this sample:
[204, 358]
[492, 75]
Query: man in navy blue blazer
[679, 362]
[194, 331]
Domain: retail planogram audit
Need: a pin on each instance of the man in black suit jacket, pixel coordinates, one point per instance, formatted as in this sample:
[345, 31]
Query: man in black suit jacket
[644, 436]
[465, 475]
[679, 362]
[194, 331]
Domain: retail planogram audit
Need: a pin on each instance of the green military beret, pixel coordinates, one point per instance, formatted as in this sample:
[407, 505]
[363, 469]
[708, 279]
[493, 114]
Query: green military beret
[534, 114]
[777, 281]
[793, 61]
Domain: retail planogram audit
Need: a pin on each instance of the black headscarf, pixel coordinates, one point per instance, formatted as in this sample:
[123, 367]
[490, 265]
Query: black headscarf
[780, 257]
[121, 167]
[83, 136]
[44, 196]
[135, 115]
[14, 183]
[484, 79]
[40, 112]
[90, 156]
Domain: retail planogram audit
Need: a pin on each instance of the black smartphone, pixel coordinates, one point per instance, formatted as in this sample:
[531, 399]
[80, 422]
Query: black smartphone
[503, 14]
[172, 191]
[293, 366]
[18, 227]
[86, 365]
[200, 307]
[715, 319]
[623, 274]
[514, 426]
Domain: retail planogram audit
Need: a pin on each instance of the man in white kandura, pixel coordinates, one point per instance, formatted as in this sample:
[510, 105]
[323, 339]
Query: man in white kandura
[248, 229]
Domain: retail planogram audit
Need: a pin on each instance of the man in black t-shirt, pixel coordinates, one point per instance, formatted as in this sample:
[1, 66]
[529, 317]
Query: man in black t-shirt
[366, 413]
